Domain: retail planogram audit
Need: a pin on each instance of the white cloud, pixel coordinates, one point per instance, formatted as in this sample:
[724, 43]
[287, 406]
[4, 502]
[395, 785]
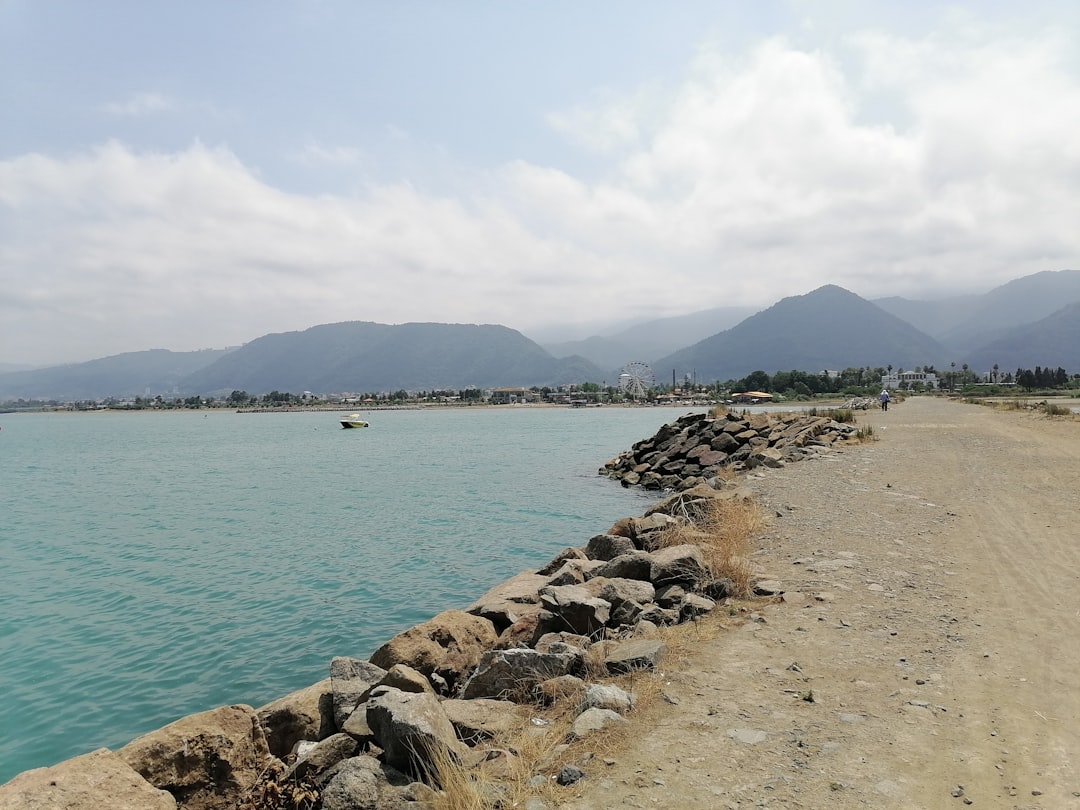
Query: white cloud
[756, 179]
[139, 104]
[317, 154]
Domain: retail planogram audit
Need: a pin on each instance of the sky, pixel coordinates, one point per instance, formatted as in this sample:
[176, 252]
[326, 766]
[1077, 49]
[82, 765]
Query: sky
[195, 175]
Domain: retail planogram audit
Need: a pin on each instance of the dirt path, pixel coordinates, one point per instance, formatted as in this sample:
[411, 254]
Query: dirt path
[926, 653]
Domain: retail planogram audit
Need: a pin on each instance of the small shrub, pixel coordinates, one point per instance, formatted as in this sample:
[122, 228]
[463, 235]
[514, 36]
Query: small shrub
[865, 434]
[1053, 409]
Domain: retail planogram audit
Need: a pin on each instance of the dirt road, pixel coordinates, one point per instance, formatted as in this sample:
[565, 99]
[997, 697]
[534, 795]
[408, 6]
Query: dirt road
[926, 653]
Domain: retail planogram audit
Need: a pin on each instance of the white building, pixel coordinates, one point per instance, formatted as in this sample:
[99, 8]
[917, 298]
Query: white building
[908, 379]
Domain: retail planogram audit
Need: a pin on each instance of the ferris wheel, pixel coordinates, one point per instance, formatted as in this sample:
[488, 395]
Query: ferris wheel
[636, 379]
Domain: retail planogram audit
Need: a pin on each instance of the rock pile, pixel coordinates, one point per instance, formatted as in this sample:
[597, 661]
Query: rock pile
[693, 449]
[373, 734]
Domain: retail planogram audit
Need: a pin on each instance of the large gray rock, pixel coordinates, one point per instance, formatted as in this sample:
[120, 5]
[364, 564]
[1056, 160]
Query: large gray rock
[355, 785]
[683, 564]
[634, 656]
[449, 645]
[574, 572]
[351, 679]
[578, 610]
[633, 565]
[413, 731]
[306, 714]
[407, 679]
[513, 674]
[557, 562]
[608, 546]
[607, 696]
[206, 760]
[510, 600]
[618, 590]
[94, 781]
[481, 719]
[323, 755]
[592, 720]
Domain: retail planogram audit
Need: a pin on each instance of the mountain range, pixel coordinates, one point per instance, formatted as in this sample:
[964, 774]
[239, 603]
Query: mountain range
[1034, 320]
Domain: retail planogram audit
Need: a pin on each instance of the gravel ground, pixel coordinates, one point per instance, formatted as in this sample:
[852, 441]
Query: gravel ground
[923, 654]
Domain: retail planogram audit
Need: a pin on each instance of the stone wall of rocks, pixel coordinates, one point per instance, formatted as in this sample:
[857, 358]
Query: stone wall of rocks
[371, 734]
[693, 449]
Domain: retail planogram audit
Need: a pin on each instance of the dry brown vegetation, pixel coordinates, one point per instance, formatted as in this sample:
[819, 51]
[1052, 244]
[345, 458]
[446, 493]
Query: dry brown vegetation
[543, 743]
[723, 533]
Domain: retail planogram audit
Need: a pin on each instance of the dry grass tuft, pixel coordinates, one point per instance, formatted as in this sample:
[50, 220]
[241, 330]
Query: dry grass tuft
[723, 532]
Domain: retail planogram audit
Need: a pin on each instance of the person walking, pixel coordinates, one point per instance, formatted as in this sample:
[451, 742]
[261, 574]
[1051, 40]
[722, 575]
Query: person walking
[884, 398]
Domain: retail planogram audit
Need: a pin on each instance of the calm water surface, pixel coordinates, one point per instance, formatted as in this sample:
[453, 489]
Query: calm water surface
[153, 565]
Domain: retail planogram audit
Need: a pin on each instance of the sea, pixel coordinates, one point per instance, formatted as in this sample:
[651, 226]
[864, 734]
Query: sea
[154, 565]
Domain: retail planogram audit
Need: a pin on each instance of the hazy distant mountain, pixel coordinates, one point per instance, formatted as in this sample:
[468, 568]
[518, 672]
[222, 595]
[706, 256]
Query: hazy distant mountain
[1018, 302]
[364, 356]
[966, 322]
[148, 373]
[935, 318]
[829, 328]
[650, 340]
[1054, 341]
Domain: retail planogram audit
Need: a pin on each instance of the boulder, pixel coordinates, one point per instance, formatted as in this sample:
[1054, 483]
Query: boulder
[407, 679]
[351, 679]
[482, 718]
[608, 546]
[306, 714]
[564, 555]
[634, 565]
[323, 755]
[510, 600]
[412, 730]
[100, 779]
[526, 630]
[694, 605]
[591, 721]
[574, 572]
[564, 687]
[449, 645]
[576, 609]
[683, 564]
[354, 786]
[549, 641]
[634, 656]
[649, 525]
[364, 783]
[607, 696]
[617, 590]
[765, 456]
[670, 596]
[206, 760]
[510, 674]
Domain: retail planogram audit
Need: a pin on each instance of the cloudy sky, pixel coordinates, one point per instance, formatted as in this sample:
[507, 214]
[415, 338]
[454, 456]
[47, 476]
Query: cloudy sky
[197, 174]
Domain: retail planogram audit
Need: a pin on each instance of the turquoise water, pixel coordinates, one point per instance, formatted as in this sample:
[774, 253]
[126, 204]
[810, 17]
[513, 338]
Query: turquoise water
[153, 565]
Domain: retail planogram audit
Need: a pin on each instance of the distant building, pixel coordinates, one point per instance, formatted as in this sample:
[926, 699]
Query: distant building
[908, 379]
[509, 396]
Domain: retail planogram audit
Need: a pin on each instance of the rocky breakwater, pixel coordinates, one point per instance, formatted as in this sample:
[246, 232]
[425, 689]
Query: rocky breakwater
[697, 448]
[376, 732]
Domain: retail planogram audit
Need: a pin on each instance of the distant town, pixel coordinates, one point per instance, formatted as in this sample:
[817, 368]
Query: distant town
[639, 389]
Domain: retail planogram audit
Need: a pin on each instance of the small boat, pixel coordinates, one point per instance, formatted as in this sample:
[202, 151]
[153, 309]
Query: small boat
[353, 421]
